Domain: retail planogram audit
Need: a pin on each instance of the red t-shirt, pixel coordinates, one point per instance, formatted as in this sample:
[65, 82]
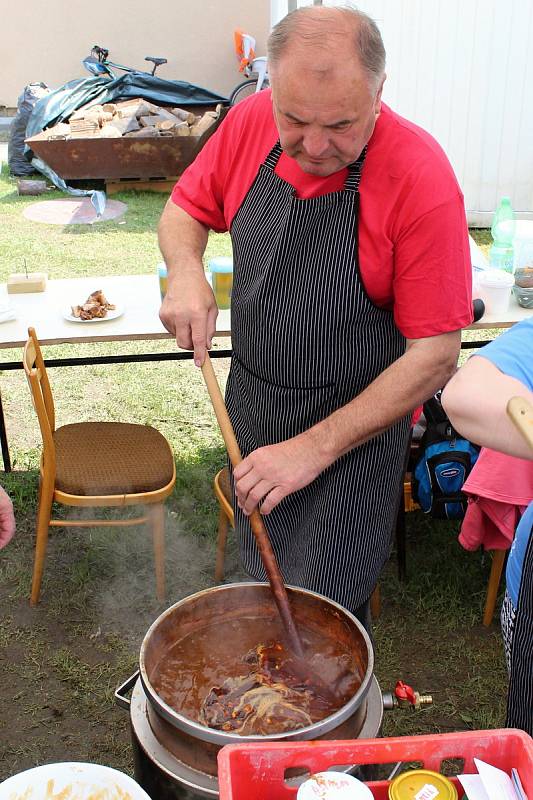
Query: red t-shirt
[414, 253]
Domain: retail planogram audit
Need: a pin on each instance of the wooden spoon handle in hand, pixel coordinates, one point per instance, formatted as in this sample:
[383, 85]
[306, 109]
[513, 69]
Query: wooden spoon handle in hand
[256, 522]
[520, 411]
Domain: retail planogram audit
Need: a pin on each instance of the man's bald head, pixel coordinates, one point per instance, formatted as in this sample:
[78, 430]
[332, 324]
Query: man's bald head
[330, 32]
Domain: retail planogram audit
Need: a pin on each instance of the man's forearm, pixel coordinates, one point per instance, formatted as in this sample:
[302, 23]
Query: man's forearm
[182, 240]
[405, 385]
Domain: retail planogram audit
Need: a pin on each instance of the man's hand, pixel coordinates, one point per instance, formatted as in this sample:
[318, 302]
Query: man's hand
[275, 471]
[189, 311]
[7, 519]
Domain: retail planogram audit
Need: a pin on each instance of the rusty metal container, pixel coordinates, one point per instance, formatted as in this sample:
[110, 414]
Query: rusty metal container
[125, 157]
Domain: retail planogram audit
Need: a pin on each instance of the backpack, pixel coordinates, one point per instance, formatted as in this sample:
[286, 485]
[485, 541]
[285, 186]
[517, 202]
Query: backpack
[444, 463]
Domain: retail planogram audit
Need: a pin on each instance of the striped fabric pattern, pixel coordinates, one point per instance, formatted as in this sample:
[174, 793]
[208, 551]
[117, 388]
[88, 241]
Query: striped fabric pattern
[306, 340]
[520, 697]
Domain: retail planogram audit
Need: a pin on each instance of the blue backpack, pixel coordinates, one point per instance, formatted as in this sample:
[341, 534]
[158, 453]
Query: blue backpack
[444, 463]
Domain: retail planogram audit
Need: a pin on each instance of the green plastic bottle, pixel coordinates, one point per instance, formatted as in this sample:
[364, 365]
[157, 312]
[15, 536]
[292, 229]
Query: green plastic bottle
[501, 254]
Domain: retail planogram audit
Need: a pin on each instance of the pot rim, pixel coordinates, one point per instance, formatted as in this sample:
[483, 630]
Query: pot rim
[206, 734]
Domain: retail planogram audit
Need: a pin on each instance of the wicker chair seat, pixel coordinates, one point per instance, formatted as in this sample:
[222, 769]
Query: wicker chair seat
[111, 458]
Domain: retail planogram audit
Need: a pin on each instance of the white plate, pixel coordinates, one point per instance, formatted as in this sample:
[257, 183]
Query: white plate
[114, 314]
[7, 312]
[73, 781]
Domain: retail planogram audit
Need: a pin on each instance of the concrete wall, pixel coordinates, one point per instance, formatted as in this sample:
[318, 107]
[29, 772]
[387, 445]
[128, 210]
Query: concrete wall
[46, 40]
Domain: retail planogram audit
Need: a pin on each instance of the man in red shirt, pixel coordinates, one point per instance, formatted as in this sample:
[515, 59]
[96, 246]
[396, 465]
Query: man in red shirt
[352, 280]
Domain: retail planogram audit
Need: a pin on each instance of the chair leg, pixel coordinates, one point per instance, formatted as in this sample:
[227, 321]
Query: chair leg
[498, 560]
[375, 602]
[221, 545]
[43, 523]
[401, 552]
[156, 515]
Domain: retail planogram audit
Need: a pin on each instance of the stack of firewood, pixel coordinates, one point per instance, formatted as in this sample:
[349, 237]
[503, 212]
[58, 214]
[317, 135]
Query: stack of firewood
[135, 118]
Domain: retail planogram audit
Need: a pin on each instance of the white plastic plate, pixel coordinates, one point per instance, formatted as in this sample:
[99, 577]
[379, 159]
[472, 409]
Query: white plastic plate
[71, 781]
[112, 314]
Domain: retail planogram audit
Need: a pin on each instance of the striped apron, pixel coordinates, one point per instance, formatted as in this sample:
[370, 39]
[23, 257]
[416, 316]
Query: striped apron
[306, 340]
[520, 697]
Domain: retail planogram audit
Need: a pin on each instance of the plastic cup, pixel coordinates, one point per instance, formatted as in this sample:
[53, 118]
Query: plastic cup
[221, 269]
[494, 288]
[162, 276]
[333, 786]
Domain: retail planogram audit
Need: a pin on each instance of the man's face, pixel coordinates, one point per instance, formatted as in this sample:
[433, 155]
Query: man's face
[325, 108]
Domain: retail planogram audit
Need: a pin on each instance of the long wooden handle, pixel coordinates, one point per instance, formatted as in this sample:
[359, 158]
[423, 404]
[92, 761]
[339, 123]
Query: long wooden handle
[256, 522]
[520, 412]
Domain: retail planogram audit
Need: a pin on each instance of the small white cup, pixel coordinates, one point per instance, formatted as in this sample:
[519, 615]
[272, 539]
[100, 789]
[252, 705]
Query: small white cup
[333, 786]
[494, 288]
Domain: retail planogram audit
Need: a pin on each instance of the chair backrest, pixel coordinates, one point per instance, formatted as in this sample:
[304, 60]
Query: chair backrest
[43, 400]
[223, 493]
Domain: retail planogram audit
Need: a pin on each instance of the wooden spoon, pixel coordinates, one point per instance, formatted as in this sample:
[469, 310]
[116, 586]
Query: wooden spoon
[256, 522]
[520, 411]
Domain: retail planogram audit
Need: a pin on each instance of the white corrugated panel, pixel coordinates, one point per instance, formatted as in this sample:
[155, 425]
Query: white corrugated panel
[463, 71]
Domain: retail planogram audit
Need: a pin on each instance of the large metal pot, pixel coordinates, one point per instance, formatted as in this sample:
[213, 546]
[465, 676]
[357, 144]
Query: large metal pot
[234, 602]
[175, 756]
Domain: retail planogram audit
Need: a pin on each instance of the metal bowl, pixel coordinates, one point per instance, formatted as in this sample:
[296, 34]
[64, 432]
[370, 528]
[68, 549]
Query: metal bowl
[523, 296]
[233, 602]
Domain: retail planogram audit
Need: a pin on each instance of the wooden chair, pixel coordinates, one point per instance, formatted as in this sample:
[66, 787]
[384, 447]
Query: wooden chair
[96, 464]
[498, 561]
[226, 518]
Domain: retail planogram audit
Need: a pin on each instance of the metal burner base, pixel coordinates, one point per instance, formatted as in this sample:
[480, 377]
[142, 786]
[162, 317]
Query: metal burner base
[164, 777]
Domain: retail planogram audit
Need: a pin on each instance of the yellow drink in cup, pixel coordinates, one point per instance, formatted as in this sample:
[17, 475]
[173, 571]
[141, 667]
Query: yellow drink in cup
[162, 275]
[221, 269]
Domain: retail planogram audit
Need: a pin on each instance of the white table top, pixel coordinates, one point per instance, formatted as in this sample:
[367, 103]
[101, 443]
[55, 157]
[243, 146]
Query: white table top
[514, 313]
[138, 294]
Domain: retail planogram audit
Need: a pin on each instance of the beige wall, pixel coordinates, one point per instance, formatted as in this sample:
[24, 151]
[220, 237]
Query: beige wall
[46, 40]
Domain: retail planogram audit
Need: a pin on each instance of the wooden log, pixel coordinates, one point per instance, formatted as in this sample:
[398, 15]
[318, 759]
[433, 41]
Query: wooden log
[166, 125]
[123, 124]
[110, 131]
[143, 133]
[87, 111]
[203, 124]
[184, 116]
[153, 119]
[136, 107]
[60, 130]
[31, 187]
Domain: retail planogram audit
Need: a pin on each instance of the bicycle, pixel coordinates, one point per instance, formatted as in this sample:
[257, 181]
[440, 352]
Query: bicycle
[255, 68]
[97, 63]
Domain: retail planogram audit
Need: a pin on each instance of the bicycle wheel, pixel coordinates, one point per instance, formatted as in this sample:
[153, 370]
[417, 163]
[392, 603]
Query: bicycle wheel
[244, 90]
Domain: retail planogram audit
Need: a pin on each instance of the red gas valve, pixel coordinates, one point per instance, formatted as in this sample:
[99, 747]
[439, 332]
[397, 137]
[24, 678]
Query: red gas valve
[405, 695]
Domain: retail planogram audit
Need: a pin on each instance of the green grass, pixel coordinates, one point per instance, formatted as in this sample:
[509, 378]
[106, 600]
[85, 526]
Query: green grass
[61, 662]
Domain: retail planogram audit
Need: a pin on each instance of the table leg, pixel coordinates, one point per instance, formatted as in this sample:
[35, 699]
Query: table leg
[3, 439]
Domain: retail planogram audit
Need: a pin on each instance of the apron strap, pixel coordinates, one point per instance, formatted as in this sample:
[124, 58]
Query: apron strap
[273, 157]
[354, 173]
[354, 169]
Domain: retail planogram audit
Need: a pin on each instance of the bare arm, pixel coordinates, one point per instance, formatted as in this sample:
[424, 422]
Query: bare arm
[189, 309]
[7, 519]
[283, 468]
[476, 400]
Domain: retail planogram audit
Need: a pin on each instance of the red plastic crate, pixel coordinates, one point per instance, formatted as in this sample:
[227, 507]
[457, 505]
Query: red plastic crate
[256, 771]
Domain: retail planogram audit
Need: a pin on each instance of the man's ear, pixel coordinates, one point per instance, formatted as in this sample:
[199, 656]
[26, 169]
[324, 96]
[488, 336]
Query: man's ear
[377, 100]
